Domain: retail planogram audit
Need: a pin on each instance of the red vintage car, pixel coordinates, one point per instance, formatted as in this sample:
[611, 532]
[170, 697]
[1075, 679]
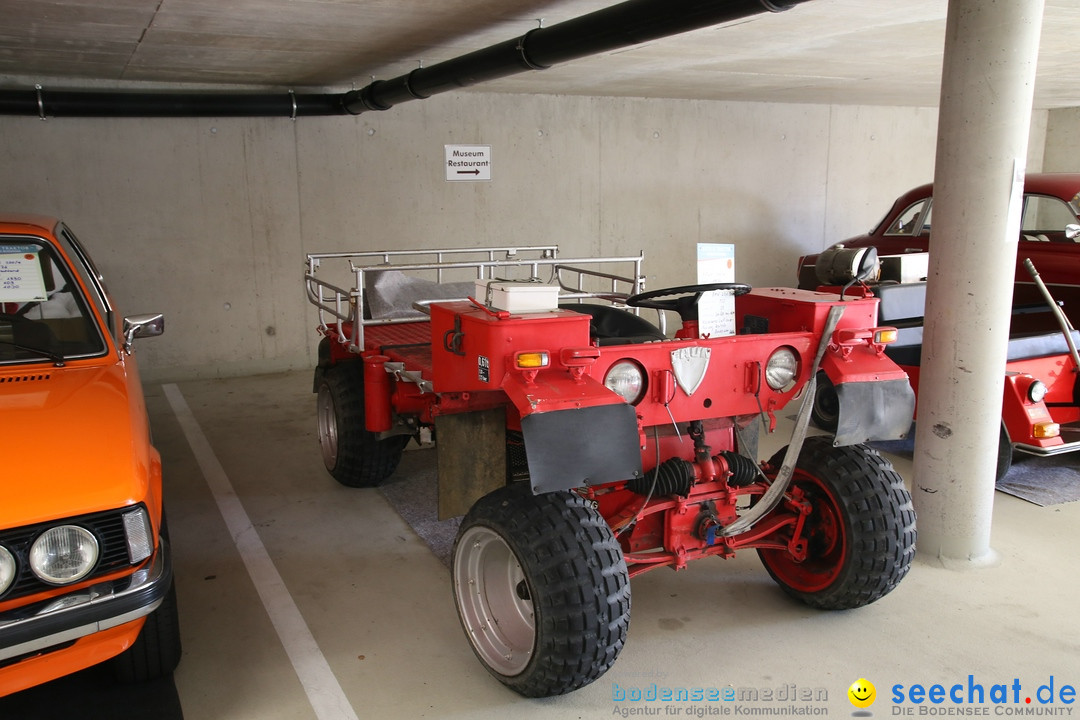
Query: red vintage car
[1049, 236]
[1040, 408]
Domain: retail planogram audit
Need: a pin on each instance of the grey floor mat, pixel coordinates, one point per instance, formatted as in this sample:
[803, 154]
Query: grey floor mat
[1043, 480]
[413, 493]
[1040, 480]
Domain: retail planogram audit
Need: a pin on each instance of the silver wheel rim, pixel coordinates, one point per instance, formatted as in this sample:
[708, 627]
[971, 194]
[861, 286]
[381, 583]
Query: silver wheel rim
[489, 586]
[328, 430]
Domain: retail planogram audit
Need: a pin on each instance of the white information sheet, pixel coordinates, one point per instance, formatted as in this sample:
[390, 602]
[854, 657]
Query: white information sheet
[716, 309]
[20, 274]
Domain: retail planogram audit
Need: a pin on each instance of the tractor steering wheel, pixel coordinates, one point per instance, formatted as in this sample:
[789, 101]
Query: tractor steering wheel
[682, 299]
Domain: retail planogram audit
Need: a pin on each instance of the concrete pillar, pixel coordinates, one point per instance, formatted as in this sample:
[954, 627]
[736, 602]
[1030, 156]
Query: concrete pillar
[991, 47]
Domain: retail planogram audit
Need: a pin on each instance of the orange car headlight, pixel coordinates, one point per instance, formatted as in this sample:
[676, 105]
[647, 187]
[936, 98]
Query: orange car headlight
[7, 569]
[64, 554]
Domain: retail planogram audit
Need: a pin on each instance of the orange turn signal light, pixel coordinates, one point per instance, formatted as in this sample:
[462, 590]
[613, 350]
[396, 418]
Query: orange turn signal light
[532, 360]
[884, 336]
[1046, 430]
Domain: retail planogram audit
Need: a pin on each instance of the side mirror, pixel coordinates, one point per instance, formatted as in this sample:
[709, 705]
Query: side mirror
[1072, 231]
[140, 326]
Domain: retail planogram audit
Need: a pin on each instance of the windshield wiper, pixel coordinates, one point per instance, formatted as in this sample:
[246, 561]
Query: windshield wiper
[57, 358]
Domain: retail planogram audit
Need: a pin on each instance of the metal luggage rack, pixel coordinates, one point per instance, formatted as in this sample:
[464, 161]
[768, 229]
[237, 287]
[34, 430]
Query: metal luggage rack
[578, 278]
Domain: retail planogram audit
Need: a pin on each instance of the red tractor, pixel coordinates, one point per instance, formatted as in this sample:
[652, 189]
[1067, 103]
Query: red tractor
[583, 446]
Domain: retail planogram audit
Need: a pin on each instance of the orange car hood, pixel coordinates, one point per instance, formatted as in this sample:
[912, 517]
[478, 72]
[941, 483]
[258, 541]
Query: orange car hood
[73, 441]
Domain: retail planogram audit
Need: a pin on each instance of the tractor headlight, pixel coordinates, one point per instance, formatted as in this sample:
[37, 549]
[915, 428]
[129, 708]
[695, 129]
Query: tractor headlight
[1036, 391]
[64, 554]
[781, 370]
[626, 380]
[7, 569]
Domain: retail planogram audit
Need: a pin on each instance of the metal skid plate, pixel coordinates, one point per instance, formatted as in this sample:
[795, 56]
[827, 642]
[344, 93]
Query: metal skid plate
[581, 446]
[472, 458]
[874, 411]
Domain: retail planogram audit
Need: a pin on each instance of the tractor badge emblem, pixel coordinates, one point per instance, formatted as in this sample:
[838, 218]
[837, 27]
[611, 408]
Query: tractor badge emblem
[689, 365]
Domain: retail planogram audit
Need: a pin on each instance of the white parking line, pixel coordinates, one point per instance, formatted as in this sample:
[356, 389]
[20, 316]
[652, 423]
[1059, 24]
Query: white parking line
[322, 688]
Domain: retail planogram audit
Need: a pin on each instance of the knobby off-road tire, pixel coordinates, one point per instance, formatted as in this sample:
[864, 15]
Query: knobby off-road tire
[355, 456]
[861, 530]
[541, 589]
[156, 652]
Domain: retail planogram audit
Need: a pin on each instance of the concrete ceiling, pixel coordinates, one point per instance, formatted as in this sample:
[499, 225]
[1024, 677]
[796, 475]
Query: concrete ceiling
[873, 52]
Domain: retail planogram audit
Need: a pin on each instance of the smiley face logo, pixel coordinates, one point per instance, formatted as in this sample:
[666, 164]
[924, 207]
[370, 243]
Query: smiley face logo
[862, 693]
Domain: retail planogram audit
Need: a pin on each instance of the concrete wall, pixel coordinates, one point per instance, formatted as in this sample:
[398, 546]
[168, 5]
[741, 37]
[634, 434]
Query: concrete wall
[1063, 141]
[208, 220]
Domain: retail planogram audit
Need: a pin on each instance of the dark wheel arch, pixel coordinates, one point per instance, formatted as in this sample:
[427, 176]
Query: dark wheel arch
[825, 411]
[156, 652]
[322, 363]
[1004, 454]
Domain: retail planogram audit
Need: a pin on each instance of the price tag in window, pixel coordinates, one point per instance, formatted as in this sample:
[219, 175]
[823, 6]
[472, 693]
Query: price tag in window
[20, 274]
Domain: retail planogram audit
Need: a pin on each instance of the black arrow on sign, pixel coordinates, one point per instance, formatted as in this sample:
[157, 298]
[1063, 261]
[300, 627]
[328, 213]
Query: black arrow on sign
[468, 172]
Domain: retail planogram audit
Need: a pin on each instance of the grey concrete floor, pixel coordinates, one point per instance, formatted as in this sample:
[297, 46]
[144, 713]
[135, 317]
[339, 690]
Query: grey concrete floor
[378, 603]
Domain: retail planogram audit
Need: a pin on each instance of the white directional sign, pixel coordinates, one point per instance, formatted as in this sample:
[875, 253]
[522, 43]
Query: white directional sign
[468, 163]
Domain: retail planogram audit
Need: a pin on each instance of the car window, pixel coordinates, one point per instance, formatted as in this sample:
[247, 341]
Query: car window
[1045, 216]
[88, 272]
[910, 221]
[43, 314]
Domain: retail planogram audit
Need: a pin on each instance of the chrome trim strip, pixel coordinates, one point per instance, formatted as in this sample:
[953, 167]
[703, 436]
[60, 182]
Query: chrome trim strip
[1047, 451]
[89, 610]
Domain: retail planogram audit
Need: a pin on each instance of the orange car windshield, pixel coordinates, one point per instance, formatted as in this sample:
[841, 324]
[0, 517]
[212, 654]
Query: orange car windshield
[43, 315]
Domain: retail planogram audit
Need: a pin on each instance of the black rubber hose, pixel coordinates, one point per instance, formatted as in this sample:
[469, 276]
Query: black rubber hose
[744, 471]
[674, 476]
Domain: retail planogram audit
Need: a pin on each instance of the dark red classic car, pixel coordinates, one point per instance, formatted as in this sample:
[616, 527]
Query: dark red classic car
[1041, 402]
[1049, 236]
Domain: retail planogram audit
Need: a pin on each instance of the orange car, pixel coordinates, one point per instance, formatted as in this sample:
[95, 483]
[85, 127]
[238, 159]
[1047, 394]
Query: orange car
[85, 573]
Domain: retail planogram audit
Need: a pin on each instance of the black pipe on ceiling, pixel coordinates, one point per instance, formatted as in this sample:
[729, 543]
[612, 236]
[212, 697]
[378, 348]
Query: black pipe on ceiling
[628, 23]
[80, 103]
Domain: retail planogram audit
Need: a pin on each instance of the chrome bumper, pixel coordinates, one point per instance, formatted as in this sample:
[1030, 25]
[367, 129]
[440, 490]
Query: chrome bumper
[92, 609]
[1047, 451]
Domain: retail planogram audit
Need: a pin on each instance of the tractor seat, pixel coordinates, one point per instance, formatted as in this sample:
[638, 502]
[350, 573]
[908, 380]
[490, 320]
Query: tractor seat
[614, 326]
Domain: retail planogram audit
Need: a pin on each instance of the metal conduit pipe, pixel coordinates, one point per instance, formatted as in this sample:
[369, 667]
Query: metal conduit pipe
[628, 23]
[74, 103]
